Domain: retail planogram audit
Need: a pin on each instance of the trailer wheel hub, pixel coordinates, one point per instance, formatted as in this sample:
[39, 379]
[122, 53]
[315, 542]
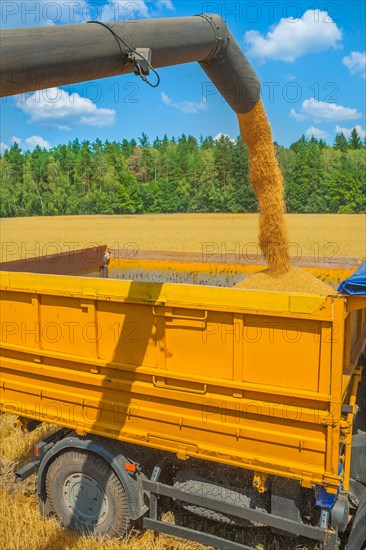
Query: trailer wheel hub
[86, 499]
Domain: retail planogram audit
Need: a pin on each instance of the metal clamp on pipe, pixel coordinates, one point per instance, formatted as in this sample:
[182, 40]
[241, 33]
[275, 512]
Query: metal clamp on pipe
[142, 61]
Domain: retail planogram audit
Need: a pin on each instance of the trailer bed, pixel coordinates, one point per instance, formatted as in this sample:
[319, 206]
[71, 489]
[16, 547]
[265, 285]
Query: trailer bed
[260, 380]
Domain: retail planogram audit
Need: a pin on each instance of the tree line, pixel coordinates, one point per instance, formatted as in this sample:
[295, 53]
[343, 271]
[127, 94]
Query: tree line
[177, 175]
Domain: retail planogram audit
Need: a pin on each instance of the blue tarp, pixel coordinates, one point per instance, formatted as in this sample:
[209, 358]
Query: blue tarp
[356, 283]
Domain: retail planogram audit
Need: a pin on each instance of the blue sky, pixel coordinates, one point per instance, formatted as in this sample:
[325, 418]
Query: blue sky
[310, 57]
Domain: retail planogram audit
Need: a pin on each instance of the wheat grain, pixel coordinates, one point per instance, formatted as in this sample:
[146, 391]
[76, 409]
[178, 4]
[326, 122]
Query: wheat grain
[267, 182]
[294, 280]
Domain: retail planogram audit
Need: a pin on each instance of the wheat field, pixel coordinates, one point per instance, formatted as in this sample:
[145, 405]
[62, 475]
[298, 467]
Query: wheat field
[21, 525]
[309, 234]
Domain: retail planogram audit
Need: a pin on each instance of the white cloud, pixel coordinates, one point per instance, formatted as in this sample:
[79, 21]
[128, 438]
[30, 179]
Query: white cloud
[54, 105]
[316, 132]
[3, 148]
[220, 135]
[347, 131]
[321, 111]
[167, 4]
[292, 38]
[125, 10]
[33, 141]
[44, 12]
[297, 116]
[116, 10]
[32, 13]
[356, 63]
[188, 107]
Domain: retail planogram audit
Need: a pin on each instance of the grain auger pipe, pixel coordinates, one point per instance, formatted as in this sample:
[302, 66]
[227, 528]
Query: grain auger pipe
[43, 57]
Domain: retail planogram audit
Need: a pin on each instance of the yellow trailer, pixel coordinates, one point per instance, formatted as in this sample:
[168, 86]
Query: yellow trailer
[261, 381]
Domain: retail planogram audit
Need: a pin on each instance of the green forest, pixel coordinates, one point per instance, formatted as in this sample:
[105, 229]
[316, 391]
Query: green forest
[177, 175]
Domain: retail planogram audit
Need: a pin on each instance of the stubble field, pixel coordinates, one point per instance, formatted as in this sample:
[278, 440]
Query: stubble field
[21, 526]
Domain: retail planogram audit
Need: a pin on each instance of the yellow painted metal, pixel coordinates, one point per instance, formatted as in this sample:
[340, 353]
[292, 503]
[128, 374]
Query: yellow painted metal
[259, 481]
[346, 428]
[331, 275]
[247, 378]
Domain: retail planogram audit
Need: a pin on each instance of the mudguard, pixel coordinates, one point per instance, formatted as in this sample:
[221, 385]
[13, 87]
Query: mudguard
[111, 454]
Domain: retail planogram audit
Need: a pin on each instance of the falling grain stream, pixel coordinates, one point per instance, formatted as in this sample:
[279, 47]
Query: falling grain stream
[267, 181]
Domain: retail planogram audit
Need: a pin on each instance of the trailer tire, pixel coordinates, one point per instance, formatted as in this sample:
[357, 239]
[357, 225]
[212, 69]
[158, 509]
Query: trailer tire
[86, 495]
[357, 537]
